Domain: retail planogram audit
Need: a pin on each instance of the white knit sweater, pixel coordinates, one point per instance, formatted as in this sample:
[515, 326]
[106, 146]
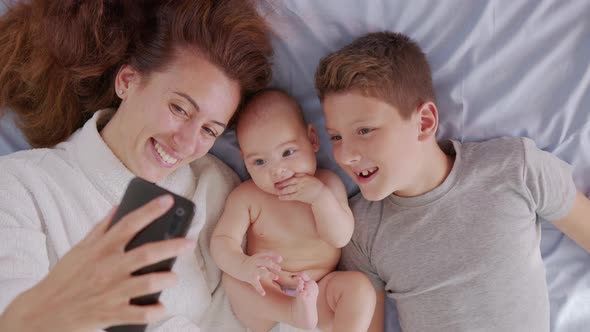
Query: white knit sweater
[51, 198]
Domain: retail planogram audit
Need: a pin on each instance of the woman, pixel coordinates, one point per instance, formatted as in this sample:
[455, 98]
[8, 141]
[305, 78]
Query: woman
[167, 77]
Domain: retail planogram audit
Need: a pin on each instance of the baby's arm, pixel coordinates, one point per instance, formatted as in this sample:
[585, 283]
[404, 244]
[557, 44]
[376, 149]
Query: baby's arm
[226, 244]
[333, 217]
[327, 196]
[576, 223]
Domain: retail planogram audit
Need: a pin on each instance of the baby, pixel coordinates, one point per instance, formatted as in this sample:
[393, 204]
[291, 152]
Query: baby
[295, 218]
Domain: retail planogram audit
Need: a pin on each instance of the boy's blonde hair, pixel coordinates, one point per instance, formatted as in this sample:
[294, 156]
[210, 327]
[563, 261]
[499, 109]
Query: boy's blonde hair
[385, 65]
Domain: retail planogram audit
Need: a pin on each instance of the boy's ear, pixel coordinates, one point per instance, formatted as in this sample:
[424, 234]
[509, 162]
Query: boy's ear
[126, 77]
[428, 118]
[312, 134]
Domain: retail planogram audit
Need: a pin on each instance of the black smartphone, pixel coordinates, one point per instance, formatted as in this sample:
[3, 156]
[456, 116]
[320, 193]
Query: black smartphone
[174, 223]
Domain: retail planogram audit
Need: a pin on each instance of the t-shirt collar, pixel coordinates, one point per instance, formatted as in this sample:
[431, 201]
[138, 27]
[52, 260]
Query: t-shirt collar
[451, 148]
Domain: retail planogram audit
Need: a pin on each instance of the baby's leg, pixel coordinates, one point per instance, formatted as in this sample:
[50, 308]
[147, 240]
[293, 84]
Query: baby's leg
[260, 313]
[346, 302]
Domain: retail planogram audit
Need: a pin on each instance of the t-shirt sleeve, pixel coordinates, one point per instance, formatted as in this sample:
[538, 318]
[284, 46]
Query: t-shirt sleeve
[549, 182]
[355, 258]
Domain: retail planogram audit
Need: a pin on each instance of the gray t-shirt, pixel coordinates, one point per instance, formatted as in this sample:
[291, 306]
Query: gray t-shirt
[465, 256]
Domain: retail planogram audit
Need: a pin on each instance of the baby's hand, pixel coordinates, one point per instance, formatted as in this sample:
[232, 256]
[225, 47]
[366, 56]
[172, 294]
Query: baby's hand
[301, 187]
[259, 266]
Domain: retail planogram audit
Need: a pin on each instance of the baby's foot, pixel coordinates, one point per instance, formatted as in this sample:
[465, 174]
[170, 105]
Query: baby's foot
[304, 308]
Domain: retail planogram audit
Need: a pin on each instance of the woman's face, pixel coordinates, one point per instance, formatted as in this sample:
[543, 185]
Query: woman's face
[170, 118]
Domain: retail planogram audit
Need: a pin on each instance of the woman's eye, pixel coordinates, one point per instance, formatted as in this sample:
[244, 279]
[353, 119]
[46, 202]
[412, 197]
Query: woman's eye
[210, 132]
[364, 131]
[288, 152]
[335, 138]
[258, 162]
[180, 111]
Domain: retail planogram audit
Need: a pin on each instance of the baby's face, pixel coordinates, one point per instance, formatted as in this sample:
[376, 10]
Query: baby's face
[372, 143]
[275, 148]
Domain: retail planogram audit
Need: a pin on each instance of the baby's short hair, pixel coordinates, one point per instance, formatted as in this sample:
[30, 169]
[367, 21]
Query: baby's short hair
[385, 65]
[254, 106]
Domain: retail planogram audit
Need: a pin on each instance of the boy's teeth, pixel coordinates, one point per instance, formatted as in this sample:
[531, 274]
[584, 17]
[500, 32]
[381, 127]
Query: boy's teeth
[166, 157]
[367, 172]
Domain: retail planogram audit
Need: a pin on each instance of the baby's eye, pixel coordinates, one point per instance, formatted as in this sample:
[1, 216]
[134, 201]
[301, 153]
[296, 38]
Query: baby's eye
[288, 152]
[364, 131]
[335, 137]
[259, 162]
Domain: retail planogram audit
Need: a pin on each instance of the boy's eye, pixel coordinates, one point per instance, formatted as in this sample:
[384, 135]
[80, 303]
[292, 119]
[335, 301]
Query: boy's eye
[364, 131]
[258, 162]
[288, 152]
[335, 137]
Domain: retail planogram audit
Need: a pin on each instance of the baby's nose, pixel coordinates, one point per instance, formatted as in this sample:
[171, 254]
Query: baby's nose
[277, 171]
[280, 173]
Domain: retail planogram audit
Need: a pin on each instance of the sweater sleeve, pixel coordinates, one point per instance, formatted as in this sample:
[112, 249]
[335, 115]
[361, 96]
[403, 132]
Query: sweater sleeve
[24, 258]
[212, 311]
[216, 181]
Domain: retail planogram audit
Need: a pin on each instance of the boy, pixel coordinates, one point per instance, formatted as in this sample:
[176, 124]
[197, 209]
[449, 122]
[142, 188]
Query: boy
[449, 231]
[296, 219]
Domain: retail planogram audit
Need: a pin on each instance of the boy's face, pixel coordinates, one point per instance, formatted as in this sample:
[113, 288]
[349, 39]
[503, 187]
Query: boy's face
[275, 147]
[372, 143]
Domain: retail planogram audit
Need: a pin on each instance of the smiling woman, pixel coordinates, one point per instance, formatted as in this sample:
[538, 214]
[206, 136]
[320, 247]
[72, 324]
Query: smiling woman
[173, 117]
[110, 90]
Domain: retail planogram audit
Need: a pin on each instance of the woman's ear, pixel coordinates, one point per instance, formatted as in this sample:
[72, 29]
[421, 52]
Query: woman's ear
[312, 134]
[428, 119]
[125, 78]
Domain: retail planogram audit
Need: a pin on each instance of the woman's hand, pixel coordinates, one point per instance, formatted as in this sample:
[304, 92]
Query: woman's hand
[90, 287]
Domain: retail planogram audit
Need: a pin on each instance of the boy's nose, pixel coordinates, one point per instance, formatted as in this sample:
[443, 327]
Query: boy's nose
[347, 154]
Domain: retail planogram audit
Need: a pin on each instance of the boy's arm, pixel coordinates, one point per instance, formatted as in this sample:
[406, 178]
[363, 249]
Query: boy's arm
[378, 322]
[333, 217]
[576, 224]
[226, 244]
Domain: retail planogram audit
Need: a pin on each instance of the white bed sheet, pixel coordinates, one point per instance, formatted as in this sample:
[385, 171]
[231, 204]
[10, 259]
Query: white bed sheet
[500, 68]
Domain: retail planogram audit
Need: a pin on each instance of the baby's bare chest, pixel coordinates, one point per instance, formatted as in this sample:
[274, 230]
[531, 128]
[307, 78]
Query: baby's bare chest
[288, 229]
[284, 222]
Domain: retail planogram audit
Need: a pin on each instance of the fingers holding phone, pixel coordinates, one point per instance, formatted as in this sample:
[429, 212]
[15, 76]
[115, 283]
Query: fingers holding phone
[146, 252]
[120, 233]
[126, 256]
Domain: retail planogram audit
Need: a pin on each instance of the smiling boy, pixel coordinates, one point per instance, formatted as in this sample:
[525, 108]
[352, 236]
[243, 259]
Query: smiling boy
[449, 230]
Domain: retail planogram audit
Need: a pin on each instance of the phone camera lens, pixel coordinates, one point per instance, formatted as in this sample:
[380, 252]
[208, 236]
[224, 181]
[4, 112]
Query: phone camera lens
[180, 212]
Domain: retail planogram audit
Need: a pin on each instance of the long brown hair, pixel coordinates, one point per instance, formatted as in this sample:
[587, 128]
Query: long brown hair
[58, 59]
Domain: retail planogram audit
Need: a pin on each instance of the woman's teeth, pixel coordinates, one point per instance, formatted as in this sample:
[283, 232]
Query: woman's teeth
[166, 157]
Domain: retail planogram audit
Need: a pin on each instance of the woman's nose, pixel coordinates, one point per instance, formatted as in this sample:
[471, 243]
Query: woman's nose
[186, 138]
